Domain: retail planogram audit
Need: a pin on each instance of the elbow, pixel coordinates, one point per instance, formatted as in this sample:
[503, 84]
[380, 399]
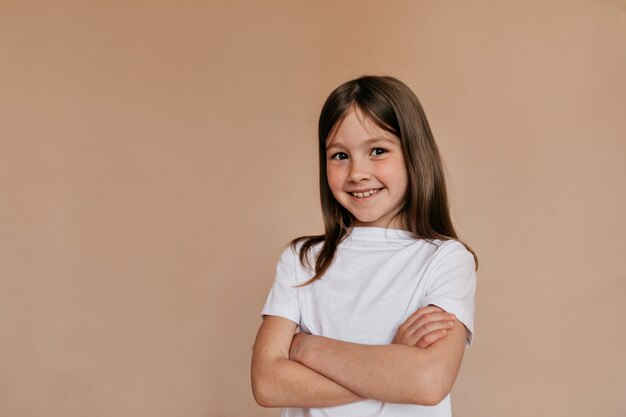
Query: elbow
[431, 397]
[258, 395]
[262, 400]
[260, 392]
[263, 391]
[433, 390]
[268, 383]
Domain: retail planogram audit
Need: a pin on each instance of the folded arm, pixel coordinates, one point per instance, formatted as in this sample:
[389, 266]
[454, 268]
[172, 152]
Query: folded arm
[392, 373]
[281, 379]
[278, 381]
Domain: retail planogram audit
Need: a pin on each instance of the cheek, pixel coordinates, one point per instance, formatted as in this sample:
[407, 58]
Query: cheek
[394, 170]
[395, 173]
[335, 177]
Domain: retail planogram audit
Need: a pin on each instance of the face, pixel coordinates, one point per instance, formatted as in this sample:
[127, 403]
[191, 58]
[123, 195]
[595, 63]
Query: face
[366, 171]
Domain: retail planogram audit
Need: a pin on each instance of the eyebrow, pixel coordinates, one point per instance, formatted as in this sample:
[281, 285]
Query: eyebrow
[367, 142]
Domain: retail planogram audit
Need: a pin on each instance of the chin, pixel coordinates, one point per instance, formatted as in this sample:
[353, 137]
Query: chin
[365, 222]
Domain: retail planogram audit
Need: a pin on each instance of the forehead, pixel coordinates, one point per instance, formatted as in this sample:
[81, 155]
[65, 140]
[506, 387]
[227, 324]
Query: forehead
[356, 126]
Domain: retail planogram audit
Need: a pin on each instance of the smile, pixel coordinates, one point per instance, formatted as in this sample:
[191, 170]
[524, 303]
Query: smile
[366, 193]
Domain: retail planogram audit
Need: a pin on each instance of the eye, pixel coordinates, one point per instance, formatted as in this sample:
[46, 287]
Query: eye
[378, 151]
[339, 156]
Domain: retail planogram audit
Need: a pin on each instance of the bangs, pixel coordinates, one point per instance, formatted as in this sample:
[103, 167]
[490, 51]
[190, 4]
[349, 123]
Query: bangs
[385, 119]
[378, 107]
[389, 124]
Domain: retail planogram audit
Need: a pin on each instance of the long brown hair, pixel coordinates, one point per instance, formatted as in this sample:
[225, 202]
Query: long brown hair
[392, 106]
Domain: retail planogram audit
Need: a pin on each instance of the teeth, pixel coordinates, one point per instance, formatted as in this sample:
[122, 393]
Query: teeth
[365, 194]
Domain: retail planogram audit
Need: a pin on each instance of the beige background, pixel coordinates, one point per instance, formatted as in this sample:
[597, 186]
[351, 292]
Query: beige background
[156, 156]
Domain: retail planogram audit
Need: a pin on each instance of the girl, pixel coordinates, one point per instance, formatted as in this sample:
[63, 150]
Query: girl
[384, 299]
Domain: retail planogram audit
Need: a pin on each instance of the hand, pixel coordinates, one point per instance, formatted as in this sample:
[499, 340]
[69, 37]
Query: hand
[424, 327]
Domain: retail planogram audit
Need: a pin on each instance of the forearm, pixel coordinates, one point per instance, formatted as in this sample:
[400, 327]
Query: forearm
[287, 383]
[392, 373]
[280, 382]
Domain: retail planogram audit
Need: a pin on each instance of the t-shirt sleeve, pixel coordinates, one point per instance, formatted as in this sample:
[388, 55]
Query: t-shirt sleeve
[283, 298]
[452, 285]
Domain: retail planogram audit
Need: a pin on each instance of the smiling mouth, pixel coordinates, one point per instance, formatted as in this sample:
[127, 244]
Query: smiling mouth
[364, 194]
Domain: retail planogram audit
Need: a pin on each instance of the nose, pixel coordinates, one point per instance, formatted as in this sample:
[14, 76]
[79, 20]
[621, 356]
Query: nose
[359, 171]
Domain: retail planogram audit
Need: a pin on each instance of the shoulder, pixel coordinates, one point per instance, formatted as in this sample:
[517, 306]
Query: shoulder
[305, 248]
[288, 257]
[296, 258]
[451, 250]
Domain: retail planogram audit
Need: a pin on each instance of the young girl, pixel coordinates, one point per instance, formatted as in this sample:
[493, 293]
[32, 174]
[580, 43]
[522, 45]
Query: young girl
[384, 299]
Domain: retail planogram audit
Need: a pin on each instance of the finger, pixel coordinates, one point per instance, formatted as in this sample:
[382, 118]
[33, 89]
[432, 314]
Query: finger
[425, 324]
[427, 318]
[410, 336]
[420, 312]
[431, 338]
[431, 327]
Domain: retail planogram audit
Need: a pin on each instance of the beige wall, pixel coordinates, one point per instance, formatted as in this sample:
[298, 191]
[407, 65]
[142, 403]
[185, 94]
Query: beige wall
[155, 157]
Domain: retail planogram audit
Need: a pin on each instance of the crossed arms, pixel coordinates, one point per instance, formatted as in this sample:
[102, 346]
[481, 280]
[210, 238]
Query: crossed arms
[301, 370]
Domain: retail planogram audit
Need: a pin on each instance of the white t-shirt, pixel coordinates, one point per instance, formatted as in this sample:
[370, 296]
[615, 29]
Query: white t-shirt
[379, 277]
